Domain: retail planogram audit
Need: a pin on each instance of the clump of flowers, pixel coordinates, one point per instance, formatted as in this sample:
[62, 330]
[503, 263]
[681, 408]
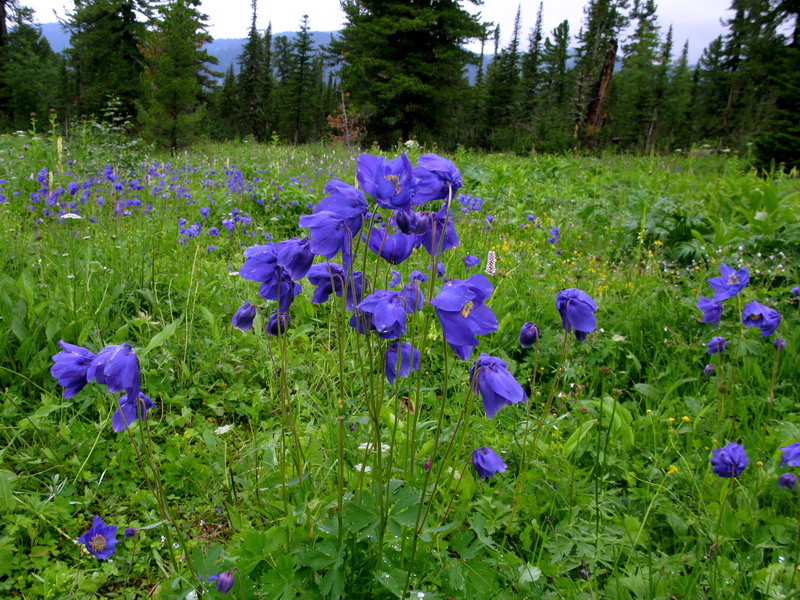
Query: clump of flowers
[729, 461]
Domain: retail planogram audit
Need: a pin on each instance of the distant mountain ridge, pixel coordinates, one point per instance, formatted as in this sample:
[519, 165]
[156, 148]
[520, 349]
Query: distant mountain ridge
[228, 50]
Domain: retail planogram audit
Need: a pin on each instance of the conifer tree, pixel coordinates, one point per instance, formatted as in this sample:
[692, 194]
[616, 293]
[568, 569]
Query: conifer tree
[553, 126]
[531, 68]
[251, 109]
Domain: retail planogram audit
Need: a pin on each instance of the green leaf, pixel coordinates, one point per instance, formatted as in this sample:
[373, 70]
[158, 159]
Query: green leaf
[162, 336]
[7, 491]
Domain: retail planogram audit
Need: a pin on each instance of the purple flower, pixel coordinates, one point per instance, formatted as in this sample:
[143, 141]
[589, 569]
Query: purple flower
[461, 311]
[529, 334]
[329, 278]
[779, 344]
[204, 212]
[729, 461]
[397, 278]
[795, 291]
[470, 262]
[417, 276]
[487, 463]
[385, 311]
[729, 283]
[408, 361]
[766, 319]
[117, 368]
[708, 370]
[577, 312]
[262, 266]
[224, 581]
[390, 183]
[394, 249]
[100, 540]
[295, 256]
[434, 234]
[130, 411]
[243, 318]
[70, 367]
[490, 379]
[406, 221]
[438, 178]
[791, 455]
[278, 324]
[717, 345]
[130, 532]
[787, 480]
[554, 236]
[712, 311]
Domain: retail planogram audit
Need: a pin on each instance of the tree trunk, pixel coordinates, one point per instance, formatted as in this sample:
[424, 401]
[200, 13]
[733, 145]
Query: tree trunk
[595, 113]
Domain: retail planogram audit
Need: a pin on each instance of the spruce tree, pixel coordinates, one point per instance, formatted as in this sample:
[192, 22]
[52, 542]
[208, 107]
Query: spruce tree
[403, 62]
[251, 110]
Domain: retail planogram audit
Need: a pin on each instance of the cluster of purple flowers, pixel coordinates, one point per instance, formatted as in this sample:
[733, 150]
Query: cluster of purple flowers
[731, 461]
[728, 285]
[116, 367]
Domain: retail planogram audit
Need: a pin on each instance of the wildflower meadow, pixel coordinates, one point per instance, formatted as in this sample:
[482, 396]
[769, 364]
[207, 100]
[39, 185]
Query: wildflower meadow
[265, 371]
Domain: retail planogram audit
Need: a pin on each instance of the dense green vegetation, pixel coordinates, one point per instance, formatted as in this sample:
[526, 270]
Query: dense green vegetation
[263, 449]
[398, 70]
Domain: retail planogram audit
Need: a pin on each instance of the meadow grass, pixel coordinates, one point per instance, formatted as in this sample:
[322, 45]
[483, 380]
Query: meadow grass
[291, 460]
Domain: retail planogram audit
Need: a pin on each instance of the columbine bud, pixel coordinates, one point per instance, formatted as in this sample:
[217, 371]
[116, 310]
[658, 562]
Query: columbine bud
[528, 335]
[406, 221]
[243, 318]
[225, 582]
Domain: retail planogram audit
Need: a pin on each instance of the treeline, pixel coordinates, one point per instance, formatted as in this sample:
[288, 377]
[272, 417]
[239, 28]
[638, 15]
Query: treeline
[398, 71]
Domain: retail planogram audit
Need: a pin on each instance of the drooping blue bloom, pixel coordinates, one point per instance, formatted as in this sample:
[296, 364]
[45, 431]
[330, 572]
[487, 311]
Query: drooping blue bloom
[470, 262]
[440, 269]
[384, 311]
[130, 532]
[100, 540]
[329, 278]
[295, 256]
[438, 178]
[130, 411]
[243, 317]
[417, 276]
[795, 291]
[766, 319]
[224, 581]
[278, 324]
[529, 334]
[717, 345]
[779, 344]
[490, 379]
[729, 461]
[712, 311]
[787, 480]
[409, 361]
[708, 370]
[487, 462]
[462, 313]
[436, 232]
[397, 278]
[554, 236]
[391, 183]
[276, 284]
[729, 283]
[70, 367]
[791, 455]
[577, 312]
[117, 368]
[406, 221]
[394, 249]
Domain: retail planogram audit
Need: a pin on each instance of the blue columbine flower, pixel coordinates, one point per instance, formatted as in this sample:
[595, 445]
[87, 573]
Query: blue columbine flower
[712, 311]
[787, 480]
[729, 283]
[117, 368]
[130, 532]
[490, 379]
[577, 312]
[394, 249]
[385, 311]
[529, 334]
[779, 344]
[101, 539]
[717, 345]
[554, 236]
[224, 581]
[795, 291]
[406, 221]
[391, 183]
[708, 370]
[434, 234]
[295, 256]
[130, 411]
[329, 278]
[409, 361]
[470, 262]
[70, 367]
[261, 265]
[729, 461]
[487, 463]
[278, 323]
[438, 178]
[397, 278]
[766, 319]
[791, 455]
[417, 276]
[243, 317]
[461, 311]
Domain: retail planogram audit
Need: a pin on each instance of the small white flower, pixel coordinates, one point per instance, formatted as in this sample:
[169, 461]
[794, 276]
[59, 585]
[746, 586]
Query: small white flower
[362, 468]
[223, 429]
[71, 216]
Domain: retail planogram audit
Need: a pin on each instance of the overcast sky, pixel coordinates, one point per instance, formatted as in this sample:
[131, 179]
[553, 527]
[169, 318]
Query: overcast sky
[695, 20]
